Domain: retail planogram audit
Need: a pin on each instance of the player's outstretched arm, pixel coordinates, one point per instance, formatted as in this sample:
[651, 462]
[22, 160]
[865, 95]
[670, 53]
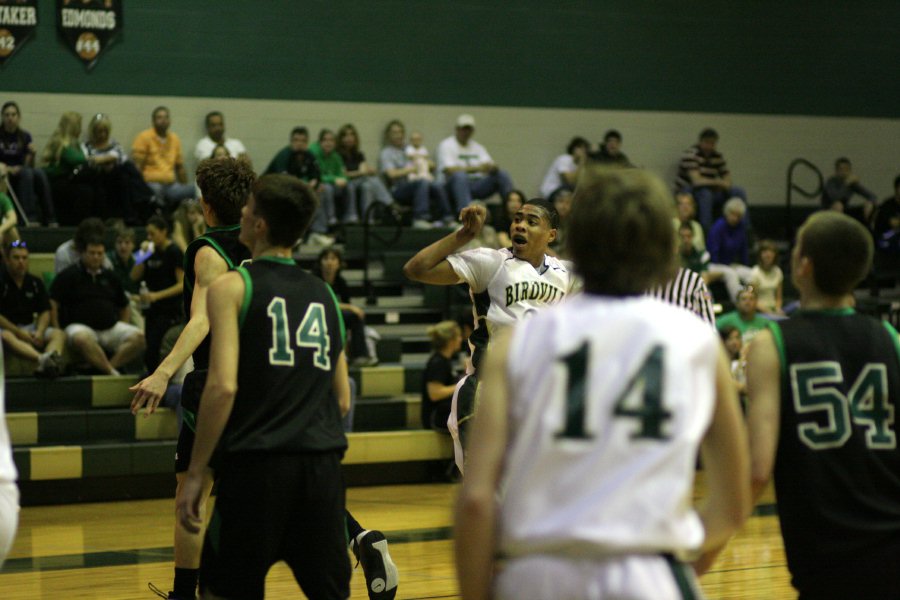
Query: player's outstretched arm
[429, 266]
[764, 402]
[208, 265]
[476, 508]
[726, 463]
[217, 401]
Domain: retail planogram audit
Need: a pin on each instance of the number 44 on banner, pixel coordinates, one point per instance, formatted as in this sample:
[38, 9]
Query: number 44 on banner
[89, 27]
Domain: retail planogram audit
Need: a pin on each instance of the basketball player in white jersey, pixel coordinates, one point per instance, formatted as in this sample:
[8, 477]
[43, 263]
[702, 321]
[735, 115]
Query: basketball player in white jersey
[506, 285]
[9, 493]
[581, 466]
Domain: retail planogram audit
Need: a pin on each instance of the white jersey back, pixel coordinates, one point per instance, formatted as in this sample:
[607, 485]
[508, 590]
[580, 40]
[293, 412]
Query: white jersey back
[609, 401]
[505, 289]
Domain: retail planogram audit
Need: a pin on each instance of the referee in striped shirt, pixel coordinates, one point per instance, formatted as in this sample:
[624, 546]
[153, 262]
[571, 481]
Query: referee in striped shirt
[688, 290]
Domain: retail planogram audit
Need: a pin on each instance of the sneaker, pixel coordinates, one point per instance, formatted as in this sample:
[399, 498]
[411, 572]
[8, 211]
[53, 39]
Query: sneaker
[49, 365]
[421, 224]
[161, 594]
[371, 550]
[364, 361]
[320, 239]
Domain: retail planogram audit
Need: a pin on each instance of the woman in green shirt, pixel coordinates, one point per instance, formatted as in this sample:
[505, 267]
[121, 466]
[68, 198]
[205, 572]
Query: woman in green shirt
[73, 194]
[335, 196]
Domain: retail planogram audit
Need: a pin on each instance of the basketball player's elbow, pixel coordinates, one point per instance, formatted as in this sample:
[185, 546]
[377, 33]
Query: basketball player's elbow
[413, 269]
[220, 392]
[474, 504]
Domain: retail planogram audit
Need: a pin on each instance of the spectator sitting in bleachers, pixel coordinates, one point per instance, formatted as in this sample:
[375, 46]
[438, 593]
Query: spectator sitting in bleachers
[163, 272]
[887, 211]
[729, 248]
[119, 189]
[335, 195]
[365, 183]
[686, 210]
[8, 218]
[768, 279]
[842, 186]
[563, 203]
[469, 170]
[122, 259]
[328, 267]
[428, 198]
[610, 151]
[564, 169]
[67, 171]
[29, 184]
[89, 302]
[441, 375]
[69, 252]
[689, 256]
[297, 160]
[418, 154]
[25, 315]
[745, 316]
[157, 154]
[215, 136]
[704, 173]
[187, 223]
[512, 202]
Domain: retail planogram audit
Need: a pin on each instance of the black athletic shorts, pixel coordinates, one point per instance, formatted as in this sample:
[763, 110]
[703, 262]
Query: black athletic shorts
[273, 507]
[191, 390]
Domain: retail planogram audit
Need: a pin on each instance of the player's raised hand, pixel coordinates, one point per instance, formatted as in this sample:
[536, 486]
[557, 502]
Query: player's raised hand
[472, 218]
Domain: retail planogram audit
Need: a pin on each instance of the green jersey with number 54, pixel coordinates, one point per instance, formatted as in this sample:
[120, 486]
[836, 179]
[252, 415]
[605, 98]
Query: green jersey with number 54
[837, 470]
[291, 335]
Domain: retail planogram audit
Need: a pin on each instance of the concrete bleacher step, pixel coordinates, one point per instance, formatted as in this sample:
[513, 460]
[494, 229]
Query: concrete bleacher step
[90, 426]
[69, 393]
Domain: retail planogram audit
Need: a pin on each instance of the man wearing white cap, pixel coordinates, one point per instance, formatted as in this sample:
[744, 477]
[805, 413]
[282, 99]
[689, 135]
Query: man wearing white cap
[468, 169]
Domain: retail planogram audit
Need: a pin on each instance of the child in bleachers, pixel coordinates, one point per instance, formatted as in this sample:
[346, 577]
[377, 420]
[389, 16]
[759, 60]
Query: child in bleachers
[440, 377]
[768, 279]
[418, 154]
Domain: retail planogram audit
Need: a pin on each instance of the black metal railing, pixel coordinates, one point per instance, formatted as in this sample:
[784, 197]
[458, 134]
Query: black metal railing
[793, 187]
[385, 215]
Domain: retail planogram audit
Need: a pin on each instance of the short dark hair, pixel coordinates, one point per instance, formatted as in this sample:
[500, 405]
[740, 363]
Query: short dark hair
[157, 109]
[843, 160]
[287, 204]
[550, 212]
[324, 132]
[89, 230]
[212, 114]
[840, 249]
[612, 133]
[725, 332]
[620, 232]
[300, 130]
[12, 103]
[709, 133]
[225, 184]
[575, 142]
[159, 222]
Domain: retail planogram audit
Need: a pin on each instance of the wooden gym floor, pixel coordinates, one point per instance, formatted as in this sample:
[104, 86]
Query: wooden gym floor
[112, 550]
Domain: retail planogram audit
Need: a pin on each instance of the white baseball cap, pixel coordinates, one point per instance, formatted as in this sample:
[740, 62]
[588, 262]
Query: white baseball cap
[465, 120]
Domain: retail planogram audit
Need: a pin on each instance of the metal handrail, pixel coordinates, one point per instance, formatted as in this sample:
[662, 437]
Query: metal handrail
[377, 210]
[793, 187]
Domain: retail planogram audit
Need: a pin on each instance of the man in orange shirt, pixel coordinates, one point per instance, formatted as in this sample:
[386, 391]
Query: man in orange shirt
[157, 154]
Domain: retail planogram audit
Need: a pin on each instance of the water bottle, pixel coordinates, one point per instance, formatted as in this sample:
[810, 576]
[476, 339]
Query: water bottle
[143, 291]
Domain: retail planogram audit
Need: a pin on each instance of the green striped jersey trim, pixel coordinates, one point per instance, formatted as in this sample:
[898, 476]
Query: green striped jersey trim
[283, 260]
[894, 337]
[248, 295]
[189, 419]
[216, 247]
[682, 580]
[775, 328]
[844, 311]
[340, 317]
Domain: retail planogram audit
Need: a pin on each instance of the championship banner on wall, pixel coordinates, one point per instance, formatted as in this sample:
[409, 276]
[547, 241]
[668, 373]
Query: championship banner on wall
[18, 21]
[89, 26]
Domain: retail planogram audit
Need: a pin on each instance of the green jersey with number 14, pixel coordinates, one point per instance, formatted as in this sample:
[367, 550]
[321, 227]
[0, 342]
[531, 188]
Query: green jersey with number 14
[291, 335]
